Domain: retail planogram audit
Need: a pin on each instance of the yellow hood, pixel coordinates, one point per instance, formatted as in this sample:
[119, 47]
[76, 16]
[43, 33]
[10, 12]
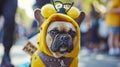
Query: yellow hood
[42, 47]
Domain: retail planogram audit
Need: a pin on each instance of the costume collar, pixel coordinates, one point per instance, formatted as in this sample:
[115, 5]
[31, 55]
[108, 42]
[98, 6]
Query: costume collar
[50, 61]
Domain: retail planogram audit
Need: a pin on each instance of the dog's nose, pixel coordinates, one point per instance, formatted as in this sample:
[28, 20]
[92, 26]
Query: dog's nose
[64, 37]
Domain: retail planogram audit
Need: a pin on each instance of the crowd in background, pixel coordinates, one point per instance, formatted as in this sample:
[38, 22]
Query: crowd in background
[101, 31]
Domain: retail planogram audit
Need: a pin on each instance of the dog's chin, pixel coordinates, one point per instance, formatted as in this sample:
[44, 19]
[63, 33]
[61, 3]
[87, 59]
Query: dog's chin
[59, 55]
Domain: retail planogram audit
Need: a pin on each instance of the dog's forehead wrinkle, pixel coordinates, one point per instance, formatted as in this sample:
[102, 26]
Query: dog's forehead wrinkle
[61, 25]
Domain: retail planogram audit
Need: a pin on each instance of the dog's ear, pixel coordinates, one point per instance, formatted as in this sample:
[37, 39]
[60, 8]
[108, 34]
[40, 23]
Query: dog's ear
[80, 18]
[38, 16]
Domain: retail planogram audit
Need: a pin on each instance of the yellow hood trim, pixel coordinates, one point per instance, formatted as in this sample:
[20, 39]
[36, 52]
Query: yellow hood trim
[42, 47]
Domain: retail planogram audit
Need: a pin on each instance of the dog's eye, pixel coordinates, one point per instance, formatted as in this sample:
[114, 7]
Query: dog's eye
[72, 33]
[53, 33]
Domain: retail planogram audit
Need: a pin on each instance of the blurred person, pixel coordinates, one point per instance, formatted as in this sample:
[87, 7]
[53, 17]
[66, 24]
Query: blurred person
[113, 23]
[94, 39]
[8, 10]
[33, 30]
[1, 28]
[103, 35]
[83, 31]
[21, 30]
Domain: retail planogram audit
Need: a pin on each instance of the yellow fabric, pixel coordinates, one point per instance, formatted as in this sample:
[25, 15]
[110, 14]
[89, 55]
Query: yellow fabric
[36, 62]
[49, 9]
[42, 47]
[73, 12]
[113, 19]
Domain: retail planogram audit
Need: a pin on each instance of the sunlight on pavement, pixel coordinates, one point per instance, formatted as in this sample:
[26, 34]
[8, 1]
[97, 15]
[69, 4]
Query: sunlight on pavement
[100, 57]
[81, 64]
[18, 55]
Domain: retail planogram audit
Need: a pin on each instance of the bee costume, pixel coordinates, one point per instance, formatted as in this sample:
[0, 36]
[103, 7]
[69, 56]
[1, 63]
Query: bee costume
[43, 57]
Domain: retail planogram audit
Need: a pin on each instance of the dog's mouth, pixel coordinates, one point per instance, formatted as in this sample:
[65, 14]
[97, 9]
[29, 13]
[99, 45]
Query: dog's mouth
[65, 47]
[63, 50]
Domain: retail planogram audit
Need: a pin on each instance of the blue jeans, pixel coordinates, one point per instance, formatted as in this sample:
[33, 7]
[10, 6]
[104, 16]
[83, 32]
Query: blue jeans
[94, 32]
[115, 30]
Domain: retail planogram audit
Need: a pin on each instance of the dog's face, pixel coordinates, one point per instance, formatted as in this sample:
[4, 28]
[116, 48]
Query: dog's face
[61, 38]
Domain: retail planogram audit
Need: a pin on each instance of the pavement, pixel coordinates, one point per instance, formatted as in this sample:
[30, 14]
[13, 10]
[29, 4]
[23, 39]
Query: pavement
[89, 59]
[86, 58]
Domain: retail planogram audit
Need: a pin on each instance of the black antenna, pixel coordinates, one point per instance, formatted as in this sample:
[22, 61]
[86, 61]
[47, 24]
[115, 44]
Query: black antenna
[54, 5]
[70, 6]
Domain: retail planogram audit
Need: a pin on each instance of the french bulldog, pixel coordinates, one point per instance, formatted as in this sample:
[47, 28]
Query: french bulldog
[60, 37]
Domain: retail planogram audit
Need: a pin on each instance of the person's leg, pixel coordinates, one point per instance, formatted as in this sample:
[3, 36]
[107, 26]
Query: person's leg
[9, 10]
[116, 42]
[111, 43]
[119, 40]
[110, 40]
[94, 40]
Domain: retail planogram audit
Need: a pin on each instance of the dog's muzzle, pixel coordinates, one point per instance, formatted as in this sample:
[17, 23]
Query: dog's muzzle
[62, 43]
